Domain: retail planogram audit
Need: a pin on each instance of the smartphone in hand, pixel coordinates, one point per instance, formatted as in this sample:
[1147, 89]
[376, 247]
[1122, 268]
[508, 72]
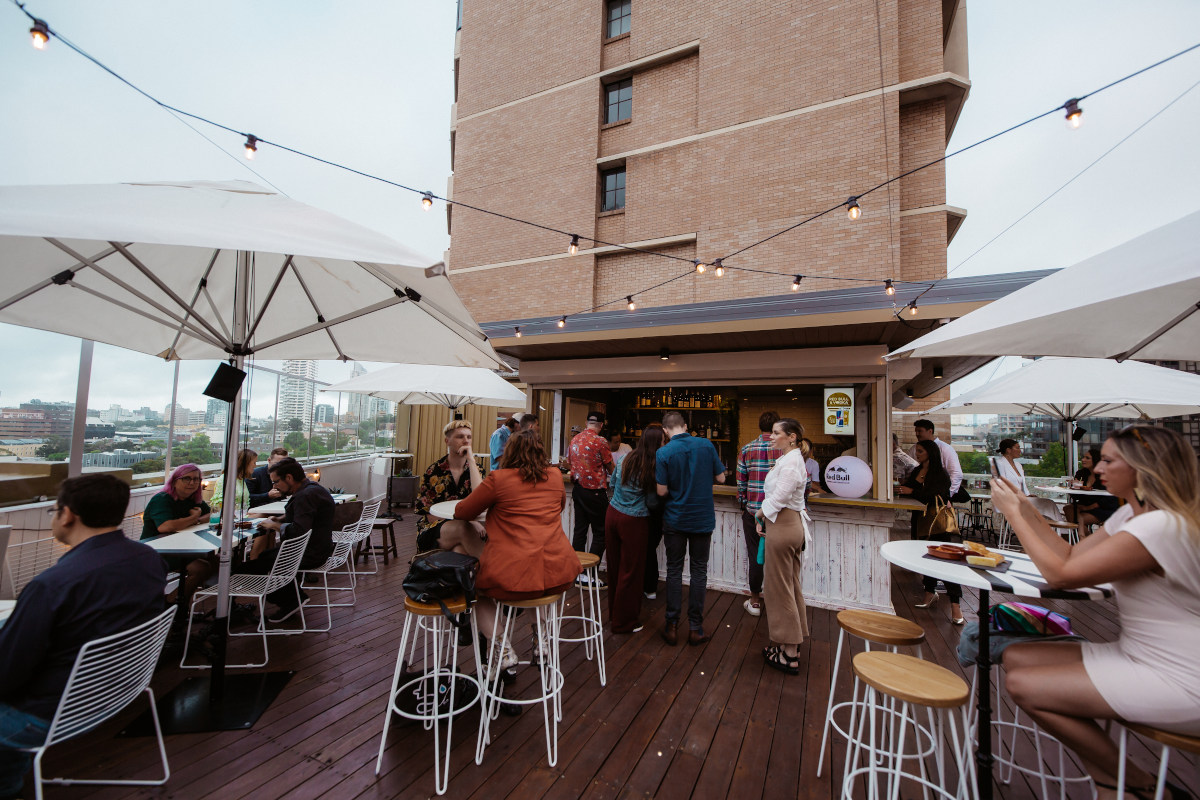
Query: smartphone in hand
[995, 466]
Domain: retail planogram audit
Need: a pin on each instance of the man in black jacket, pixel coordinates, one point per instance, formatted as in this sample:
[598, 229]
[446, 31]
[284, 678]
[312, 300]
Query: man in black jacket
[310, 510]
[259, 483]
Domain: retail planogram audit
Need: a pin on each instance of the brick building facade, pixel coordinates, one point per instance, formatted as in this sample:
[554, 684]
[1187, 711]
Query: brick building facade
[725, 123]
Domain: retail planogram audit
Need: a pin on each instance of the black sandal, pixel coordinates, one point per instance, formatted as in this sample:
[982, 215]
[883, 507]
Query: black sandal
[777, 659]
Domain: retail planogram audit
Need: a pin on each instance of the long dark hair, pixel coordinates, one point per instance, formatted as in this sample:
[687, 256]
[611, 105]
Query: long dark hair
[638, 467]
[936, 472]
[526, 454]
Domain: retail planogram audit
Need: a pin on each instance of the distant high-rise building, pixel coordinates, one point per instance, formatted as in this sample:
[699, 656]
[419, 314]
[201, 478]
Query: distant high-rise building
[296, 393]
[357, 406]
[180, 413]
[37, 419]
[214, 407]
[326, 413]
[195, 418]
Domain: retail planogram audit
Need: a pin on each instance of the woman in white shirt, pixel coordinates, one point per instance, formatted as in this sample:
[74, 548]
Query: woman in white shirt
[782, 521]
[1011, 470]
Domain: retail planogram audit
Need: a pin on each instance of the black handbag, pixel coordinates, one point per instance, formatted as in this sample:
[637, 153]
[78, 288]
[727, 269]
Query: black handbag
[440, 575]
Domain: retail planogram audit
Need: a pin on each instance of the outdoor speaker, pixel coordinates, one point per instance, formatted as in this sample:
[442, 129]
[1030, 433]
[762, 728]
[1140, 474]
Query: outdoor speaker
[225, 383]
[1079, 433]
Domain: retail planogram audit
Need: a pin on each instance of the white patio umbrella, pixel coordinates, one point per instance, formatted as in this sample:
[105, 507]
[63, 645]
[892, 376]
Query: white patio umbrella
[1071, 389]
[198, 270]
[430, 384]
[1138, 300]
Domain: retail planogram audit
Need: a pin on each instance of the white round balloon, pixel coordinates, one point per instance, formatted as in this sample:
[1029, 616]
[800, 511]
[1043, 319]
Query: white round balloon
[848, 476]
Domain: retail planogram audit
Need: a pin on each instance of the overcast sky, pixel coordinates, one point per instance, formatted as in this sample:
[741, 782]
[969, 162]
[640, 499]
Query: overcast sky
[369, 84]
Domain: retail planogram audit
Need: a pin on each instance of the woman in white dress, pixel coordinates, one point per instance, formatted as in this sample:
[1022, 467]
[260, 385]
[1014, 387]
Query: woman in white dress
[1011, 470]
[1150, 551]
[781, 519]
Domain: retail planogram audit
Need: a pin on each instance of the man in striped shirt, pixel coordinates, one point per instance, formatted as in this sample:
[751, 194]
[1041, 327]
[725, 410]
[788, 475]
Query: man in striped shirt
[754, 462]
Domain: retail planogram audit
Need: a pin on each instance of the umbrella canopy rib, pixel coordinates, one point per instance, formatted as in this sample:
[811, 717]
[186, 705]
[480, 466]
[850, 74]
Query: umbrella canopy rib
[318, 326]
[320, 317]
[262, 312]
[201, 286]
[160, 283]
[1133, 351]
[134, 310]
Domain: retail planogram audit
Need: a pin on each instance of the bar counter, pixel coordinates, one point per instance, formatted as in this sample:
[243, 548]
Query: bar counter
[843, 567]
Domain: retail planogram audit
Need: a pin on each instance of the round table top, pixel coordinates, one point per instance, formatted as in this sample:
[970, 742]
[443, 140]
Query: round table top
[445, 510]
[1022, 578]
[1082, 492]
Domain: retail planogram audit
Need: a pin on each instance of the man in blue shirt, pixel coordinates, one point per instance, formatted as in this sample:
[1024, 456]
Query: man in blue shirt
[104, 584]
[499, 439]
[685, 469]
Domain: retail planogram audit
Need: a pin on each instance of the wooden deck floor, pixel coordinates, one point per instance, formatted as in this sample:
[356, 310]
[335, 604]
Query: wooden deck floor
[673, 722]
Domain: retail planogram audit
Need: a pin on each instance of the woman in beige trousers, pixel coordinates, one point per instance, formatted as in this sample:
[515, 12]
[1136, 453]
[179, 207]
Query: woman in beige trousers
[783, 521]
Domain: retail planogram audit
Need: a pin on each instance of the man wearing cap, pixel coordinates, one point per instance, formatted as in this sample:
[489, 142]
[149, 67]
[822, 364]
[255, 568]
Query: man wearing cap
[591, 462]
[500, 438]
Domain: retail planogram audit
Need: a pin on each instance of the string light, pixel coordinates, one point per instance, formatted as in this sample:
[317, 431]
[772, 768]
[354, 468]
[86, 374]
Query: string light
[40, 33]
[700, 266]
[573, 247]
[888, 288]
[517, 331]
[938, 374]
[629, 300]
[912, 308]
[562, 321]
[251, 146]
[796, 283]
[1074, 113]
[852, 209]
[664, 354]
[426, 200]
[719, 268]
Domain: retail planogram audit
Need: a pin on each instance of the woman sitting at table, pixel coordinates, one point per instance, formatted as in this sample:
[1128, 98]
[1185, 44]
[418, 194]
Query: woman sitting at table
[451, 477]
[1092, 510]
[526, 554]
[179, 506]
[241, 496]
[781, 519]
[1011, 470]
[1150, 551]
[928, 483]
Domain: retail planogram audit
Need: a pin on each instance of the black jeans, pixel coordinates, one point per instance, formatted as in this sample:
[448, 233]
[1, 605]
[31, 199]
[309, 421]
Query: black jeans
[696, 546]
[590, 507]
[650, 584]
[750, 534]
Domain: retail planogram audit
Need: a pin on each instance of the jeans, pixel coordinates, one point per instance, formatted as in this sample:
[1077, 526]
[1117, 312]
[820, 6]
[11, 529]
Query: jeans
[750, 534]
[590, 507]
[654, 537]
[696, 545]
[17, 729]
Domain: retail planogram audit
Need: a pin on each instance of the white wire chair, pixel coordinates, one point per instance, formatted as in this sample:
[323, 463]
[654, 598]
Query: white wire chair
[26, 560]
[357, 533]
[283, 572]
[109, 673]
[341, 551]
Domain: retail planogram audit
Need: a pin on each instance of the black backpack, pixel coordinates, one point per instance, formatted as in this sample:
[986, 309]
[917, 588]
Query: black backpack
[440, 575]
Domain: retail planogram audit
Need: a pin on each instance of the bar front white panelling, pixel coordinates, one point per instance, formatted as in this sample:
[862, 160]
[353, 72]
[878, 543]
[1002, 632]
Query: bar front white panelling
[843, 567]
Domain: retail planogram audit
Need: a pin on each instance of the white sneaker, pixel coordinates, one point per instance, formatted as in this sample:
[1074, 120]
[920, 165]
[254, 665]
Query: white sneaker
[650, 595]
[751, 608]
[583, 580]
[508, 658]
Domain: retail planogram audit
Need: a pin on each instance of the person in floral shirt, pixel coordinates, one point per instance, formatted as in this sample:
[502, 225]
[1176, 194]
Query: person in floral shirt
[591, 461]
[451, 477]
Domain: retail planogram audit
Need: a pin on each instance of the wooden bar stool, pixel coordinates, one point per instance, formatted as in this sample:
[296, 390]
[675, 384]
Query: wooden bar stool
[546, 624]
[1169, 741]
[386, 528]
[440, 692]
[894, 679]
[589, 616]
[873, 627]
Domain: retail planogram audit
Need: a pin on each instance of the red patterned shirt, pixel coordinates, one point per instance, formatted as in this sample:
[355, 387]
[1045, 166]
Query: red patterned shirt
[590, 459]
[753, 464]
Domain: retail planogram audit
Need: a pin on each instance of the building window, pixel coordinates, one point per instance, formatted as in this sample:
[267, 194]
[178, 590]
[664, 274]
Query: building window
[618, 101]
[612, 187]
[618, 18]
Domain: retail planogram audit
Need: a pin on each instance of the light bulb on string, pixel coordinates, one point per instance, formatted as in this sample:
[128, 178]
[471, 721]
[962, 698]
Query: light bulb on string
[700, 266]
[888, 288]
[40, 33]
[573, 247]
[796, 283]
[427, 200]
[912, 308]
[719, 268]
[1074, 113]
[852, 208]
[517, 331]
[664, 354]
[251, 146]
[562, 322]
[629, 300]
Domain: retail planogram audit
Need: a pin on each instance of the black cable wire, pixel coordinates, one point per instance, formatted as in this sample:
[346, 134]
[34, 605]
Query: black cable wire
[887, 183]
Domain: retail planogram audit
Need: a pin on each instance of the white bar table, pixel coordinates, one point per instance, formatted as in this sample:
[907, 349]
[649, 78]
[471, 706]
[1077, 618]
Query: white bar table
[1023, 580]
[279, 506]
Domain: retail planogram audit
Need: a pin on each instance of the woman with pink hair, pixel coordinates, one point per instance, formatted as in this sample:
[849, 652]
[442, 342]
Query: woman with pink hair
[179, 505]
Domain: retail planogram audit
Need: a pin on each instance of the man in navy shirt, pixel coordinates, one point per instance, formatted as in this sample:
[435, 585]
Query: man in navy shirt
[685, 469]
[104, 584]
[262, 489]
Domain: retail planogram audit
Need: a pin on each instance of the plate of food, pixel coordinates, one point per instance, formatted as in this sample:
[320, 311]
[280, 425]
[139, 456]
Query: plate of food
[950, 552]
[243, 523]
[980, 556]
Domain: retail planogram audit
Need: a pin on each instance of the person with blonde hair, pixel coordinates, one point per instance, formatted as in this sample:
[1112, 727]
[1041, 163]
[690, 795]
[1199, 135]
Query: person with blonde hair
[1149, 550]
[451, 477]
